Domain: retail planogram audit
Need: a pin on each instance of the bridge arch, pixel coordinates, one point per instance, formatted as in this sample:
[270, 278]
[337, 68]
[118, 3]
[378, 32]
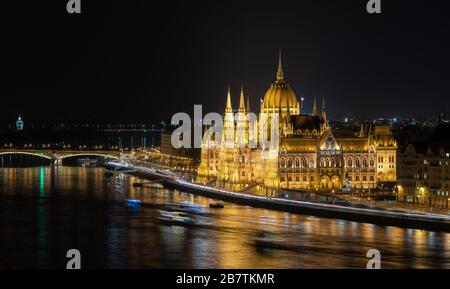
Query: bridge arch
[42, 155]
[82, 154]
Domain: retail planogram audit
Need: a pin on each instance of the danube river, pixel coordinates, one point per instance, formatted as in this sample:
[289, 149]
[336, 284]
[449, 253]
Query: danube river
[45, 211]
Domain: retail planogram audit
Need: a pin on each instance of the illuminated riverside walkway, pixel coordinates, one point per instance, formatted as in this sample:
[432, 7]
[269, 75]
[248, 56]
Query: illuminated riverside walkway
[428, 221]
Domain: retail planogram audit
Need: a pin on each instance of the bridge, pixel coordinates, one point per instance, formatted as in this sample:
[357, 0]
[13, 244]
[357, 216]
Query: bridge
[56, 156]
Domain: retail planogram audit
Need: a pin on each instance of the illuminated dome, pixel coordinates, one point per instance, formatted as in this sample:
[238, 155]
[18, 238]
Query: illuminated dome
[280, 95]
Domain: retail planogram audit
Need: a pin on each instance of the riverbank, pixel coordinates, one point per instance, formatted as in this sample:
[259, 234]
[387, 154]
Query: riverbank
[380, 216]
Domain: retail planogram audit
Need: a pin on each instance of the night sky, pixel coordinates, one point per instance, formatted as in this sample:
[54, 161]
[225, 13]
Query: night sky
[142, 61]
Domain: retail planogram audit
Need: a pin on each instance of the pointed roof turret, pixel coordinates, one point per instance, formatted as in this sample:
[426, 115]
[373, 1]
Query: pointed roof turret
[324, 111]
[361, 131]
[241, 100]
[229, 108]
[314, 112]
[369, 135]
[280, 74]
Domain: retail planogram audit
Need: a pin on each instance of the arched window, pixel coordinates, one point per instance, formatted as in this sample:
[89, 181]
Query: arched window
[372, 162]
[322, 162]
[283, 163]
[311, 162]
[329, 162]
[332, 163]
[297, 162]
[364, 162]
[357, 162]
[243, 159]
[350, 162]
[304, 163]
[211, 154]
[289, 163]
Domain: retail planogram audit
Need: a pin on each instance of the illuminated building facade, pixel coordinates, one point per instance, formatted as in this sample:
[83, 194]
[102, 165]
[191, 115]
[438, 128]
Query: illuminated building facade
[308, 156]
[424, 171]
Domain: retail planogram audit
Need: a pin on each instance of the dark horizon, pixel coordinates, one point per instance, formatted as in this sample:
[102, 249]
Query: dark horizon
[353, 119]
[141, 62]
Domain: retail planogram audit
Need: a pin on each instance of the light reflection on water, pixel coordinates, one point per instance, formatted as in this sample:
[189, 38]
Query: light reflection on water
[46, 211]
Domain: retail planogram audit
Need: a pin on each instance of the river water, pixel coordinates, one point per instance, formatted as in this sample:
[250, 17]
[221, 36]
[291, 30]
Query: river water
[45, 211]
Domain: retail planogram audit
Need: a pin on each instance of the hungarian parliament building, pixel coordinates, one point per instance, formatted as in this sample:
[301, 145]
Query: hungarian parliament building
[307, 155]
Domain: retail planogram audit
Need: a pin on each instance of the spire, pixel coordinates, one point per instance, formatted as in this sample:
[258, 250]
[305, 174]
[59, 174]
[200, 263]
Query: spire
[241, 100]
[314, 112]
[229, 108]
[324, 112]
[369, 136]
[280, 74]
[361, 131]
[248, 104]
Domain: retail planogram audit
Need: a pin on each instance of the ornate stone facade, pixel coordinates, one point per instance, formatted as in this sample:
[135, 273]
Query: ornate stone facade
[308, 156]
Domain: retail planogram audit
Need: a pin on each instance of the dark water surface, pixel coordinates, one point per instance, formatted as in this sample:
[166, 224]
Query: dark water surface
[46, 211]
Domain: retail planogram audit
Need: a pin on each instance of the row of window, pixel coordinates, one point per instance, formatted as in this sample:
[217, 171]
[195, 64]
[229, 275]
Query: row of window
[297, 178]
[358, 162]
[311, 178]
[357, 178]
[290, 163]
[388, 166]
[329, 162]
[391, 159]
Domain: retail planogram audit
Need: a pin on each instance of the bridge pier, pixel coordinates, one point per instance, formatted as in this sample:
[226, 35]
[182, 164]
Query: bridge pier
[56, 162]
